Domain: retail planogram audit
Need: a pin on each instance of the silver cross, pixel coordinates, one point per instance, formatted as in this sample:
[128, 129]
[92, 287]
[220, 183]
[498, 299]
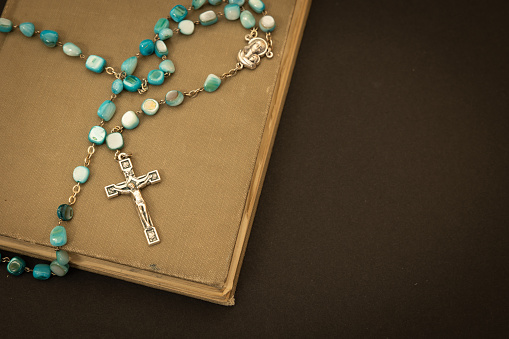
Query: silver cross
[133, 185]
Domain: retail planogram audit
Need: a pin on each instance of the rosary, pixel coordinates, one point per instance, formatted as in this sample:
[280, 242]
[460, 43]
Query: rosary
[248, 57]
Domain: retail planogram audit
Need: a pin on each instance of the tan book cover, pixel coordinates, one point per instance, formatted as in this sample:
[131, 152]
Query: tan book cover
[211, 152]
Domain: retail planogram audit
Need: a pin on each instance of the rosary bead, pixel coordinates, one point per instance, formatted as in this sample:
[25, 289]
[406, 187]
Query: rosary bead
[155, 77]
[5, 25]
[132, 83]
[117, 86]
[62, 257]
[196, 4]
[147, 47]
[165, 33]
[186, 27]
[27, 28]
[267, 23]
[95, 63]
[174, 98]
[65, 211]
[232, 11]
[130, 120]
[114, 141]
[247, 19]
[208, 18]
[129, 65]
[81, 174]
[160, 24]
[71, 49]
[257, 5]
[97, 135]
[167, 66]
[161, 48]
[58, 236]
[215, 2]
[237, 2]
[107, 109]
[178, 13]
[49, 38]
[58, 268]
[212, 83]
[41, 272]
[150, 106]
[16, 266]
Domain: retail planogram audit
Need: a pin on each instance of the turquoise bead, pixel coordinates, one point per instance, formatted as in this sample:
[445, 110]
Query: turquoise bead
[5, 25]
[27, 28]
[161, 48]
[232, 11]
[174, 98]
[167, 66]
[212, 83]
[114, 141]
[257, 5]
[16, 266]
[237, 2]
[81, 174]
[132, 83]
[160, 24]
[130, 120]
[267, 23]
[155, 77]
[95, 63]
[178, 13]
[58, 236]
[215, 2]
[62, 257]
[117, 86]
[49, 38]
[58, 268]
[208, 18]
[147, 47]
[186, 27]
[106, 110]
[165, 33]
[65, 212]
[129, 65]
[97, 135]
[150, 106]
[71, 49]
[41, 272]
[247, 19]
[198, 3]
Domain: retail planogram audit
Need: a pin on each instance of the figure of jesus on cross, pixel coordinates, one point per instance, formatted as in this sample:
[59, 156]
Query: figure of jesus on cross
[133, 185]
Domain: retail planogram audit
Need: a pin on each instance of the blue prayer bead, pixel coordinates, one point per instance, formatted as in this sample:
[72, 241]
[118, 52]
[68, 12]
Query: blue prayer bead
[16, 266]
[196, 4]
[106, 110]
[267, 23]
[97, 135]
[161, 24]
[167, 66]
[27, 28]
[81, 174]
[58, 268]
[247, 19]
[71, 49]
[117, 86]
[165, 33]
[212, 83]
[257, 5]
[49, 38]
[237, 2]
[174, 98]
[62, 257]
[65, 212]
[178, 13]
[58, 236]
[215, 2]
[115, 141]
[129, 65]
[130, 120]
[41, 272]
[147, 47]
[155, 77]
[208, 18]
[95, 63]
[132, 83]
[5, 25]
[232, 11]
[161, 48]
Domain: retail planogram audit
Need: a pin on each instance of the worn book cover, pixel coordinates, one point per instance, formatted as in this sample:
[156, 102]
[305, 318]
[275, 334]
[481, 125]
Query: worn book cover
[211, 152]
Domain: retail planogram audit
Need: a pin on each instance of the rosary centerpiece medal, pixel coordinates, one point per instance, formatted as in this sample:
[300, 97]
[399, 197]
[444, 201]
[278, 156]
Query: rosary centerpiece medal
[133, 185]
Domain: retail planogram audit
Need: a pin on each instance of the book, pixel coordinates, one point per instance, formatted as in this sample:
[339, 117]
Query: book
[211, 152]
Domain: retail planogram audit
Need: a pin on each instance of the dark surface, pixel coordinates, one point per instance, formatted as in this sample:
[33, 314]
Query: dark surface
[385, 207]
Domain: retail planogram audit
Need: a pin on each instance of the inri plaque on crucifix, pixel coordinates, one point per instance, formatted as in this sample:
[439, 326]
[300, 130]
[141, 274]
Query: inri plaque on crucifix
[133, 185]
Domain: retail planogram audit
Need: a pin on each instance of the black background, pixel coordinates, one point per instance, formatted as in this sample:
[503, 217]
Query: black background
[384, 212]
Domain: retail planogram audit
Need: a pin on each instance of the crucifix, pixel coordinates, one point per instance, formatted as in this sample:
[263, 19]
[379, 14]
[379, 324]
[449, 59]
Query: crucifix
[133, 185]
